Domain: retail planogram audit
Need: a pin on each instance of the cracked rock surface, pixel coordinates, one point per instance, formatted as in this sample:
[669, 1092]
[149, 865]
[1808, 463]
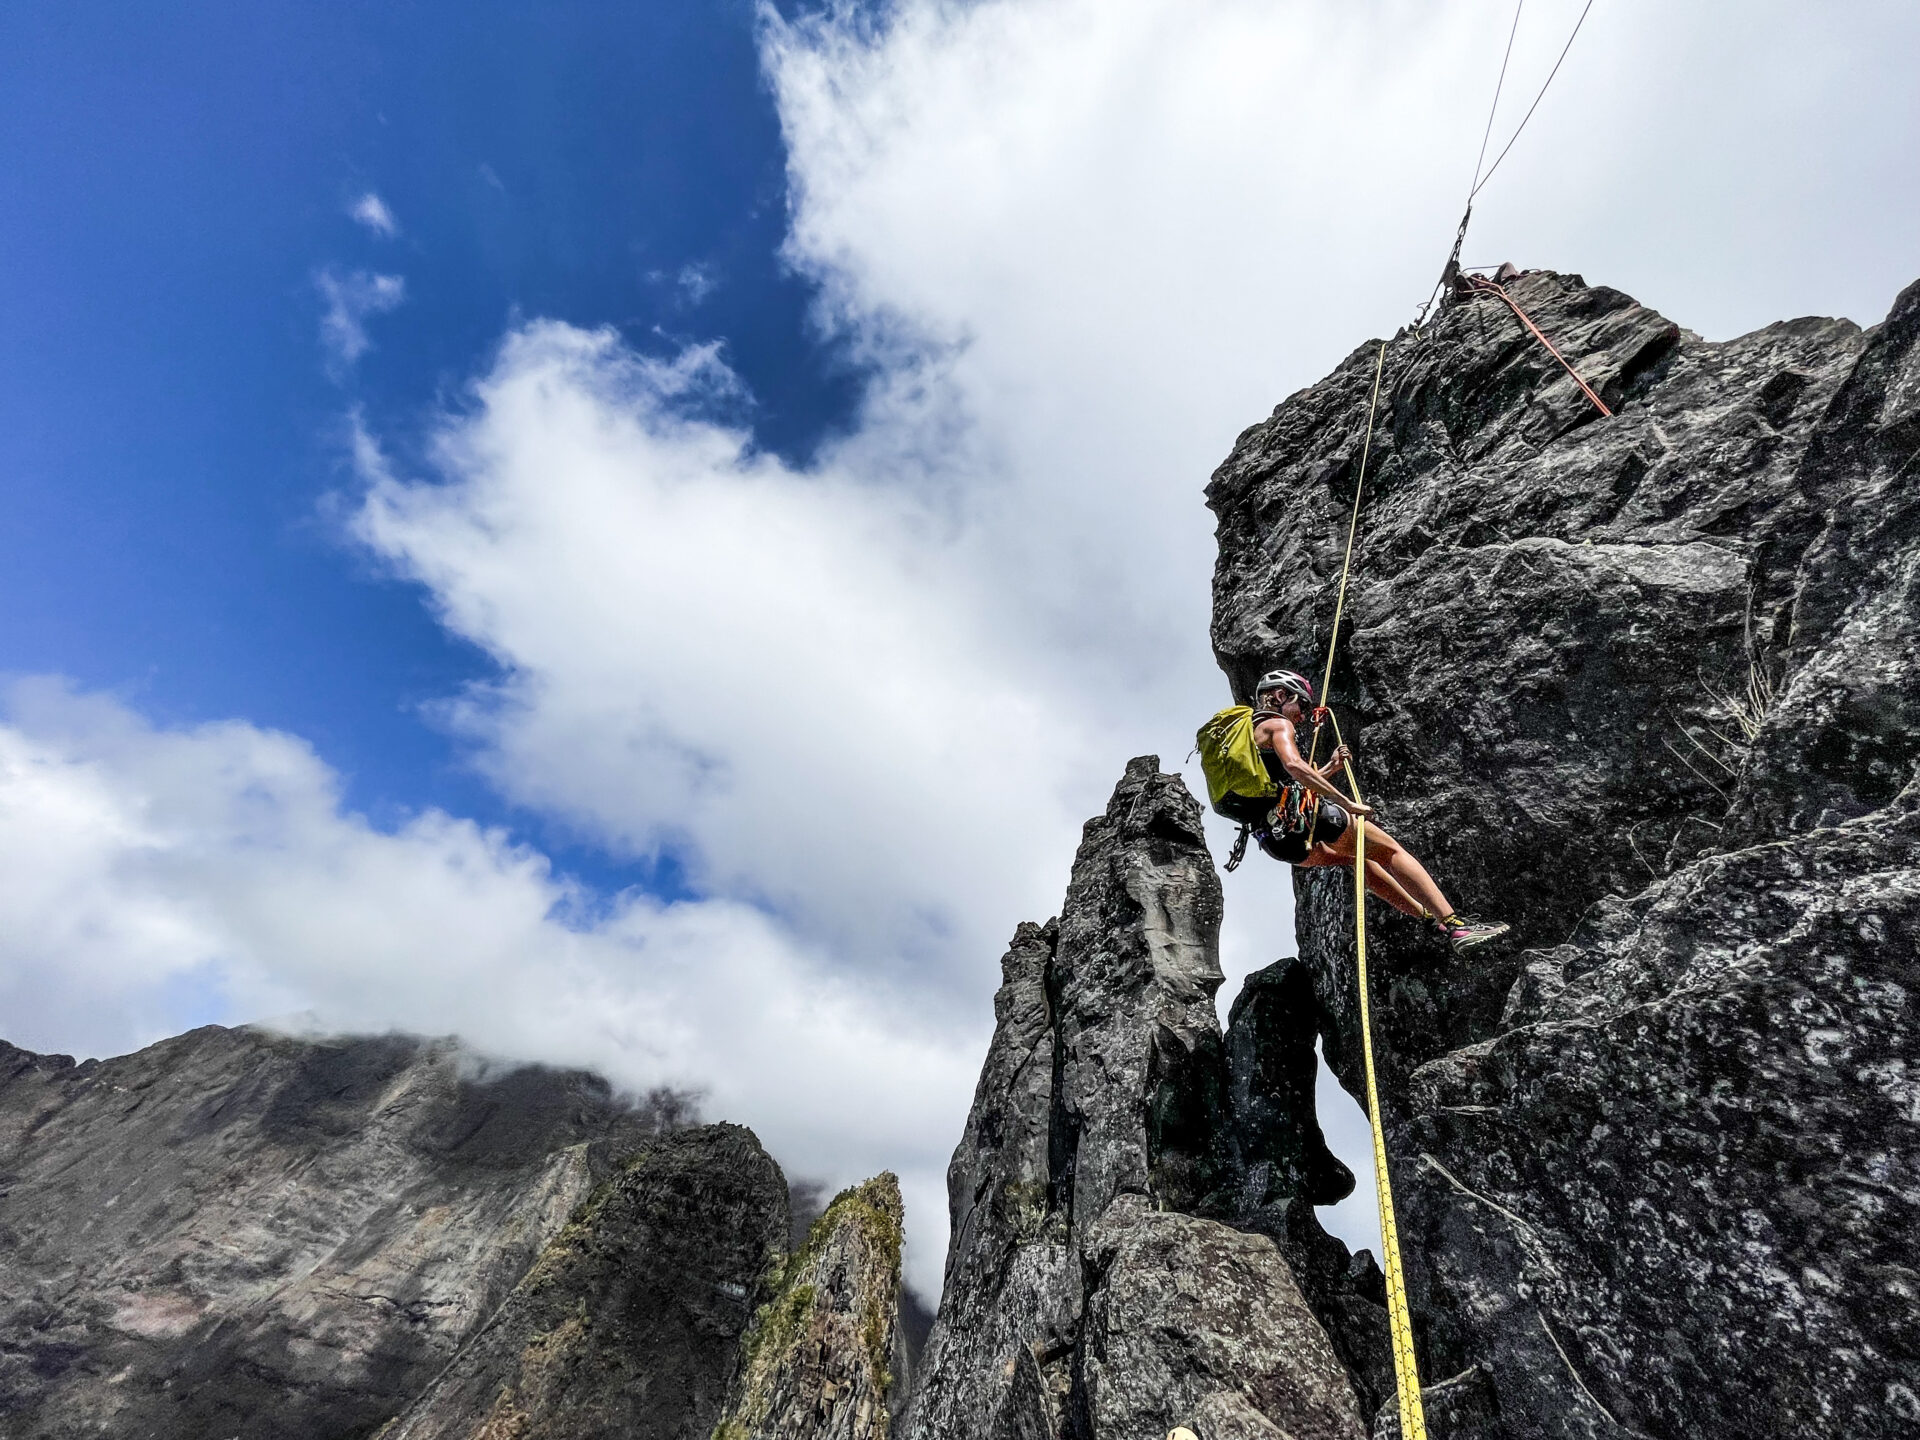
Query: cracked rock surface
[1648, 687]
[825, 1358]
[629, 1322]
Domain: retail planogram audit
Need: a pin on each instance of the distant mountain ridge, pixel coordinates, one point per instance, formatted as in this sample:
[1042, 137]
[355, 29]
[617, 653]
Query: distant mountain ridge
[242, 1233]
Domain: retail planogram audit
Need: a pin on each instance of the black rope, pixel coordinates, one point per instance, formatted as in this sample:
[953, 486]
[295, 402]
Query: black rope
[1482, 180]
[1473, 186]
[1452, 267]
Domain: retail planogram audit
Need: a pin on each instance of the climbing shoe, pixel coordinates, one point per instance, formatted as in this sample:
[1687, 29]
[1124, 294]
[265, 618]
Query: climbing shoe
[1463, 932]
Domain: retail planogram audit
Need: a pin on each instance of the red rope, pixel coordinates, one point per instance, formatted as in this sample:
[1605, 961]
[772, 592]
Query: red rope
[1481, 283]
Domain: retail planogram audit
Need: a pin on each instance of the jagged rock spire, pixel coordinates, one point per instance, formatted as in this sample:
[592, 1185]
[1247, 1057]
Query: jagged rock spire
[1090, 1291]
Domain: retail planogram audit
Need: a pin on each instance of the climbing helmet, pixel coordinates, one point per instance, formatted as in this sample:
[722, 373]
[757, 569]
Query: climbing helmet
[1289, 682]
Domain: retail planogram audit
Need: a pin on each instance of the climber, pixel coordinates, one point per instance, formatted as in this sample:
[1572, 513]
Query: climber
[1322, 832]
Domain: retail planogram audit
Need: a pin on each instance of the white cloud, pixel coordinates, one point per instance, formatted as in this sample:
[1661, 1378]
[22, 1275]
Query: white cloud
[799, 680]
[371, 211]
[351, 298]
[141, 860]
[1084, 244]
[696, 282]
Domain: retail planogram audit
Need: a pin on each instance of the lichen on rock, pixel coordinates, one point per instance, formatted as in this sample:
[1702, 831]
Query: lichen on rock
[818, 1361]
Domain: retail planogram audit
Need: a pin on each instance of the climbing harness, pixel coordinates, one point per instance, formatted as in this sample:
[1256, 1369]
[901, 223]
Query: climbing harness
[1297, 811]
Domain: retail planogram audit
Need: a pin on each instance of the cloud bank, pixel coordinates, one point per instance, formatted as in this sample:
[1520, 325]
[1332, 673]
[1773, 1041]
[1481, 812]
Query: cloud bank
[165, 868]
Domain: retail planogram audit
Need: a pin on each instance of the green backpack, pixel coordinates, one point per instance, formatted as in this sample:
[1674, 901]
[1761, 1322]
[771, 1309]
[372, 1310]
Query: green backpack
[1231, 759]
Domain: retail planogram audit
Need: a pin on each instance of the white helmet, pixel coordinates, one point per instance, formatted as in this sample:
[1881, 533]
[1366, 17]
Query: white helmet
[1288, 682]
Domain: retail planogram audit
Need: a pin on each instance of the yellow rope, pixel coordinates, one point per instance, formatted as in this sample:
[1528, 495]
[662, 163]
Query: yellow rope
[1353, 526]
[1406, 1365]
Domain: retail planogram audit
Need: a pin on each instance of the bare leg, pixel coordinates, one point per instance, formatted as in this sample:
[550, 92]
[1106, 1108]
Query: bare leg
[1380, 880]
[1408, 873]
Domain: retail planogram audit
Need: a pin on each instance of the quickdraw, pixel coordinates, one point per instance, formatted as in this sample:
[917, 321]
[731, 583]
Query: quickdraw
[1299, 807]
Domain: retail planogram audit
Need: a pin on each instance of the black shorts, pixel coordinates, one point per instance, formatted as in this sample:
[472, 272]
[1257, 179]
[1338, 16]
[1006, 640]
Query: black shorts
[1329, 824]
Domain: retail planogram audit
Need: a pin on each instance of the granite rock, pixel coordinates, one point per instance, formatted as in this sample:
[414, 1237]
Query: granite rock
[1095, 1286]
[824, 1358]
[1191, 1321]
[630, 1321]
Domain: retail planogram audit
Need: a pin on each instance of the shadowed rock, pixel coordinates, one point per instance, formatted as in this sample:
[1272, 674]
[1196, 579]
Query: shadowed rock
[629, 1322]
[1193, 1322]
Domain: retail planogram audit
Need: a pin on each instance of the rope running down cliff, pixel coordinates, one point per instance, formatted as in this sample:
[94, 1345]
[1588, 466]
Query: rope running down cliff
[1406, 1363]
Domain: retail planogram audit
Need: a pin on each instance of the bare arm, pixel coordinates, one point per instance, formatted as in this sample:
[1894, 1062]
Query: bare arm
[1277, 735]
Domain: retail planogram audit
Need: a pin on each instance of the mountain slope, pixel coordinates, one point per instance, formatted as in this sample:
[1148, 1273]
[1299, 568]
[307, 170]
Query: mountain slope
[240, 1233]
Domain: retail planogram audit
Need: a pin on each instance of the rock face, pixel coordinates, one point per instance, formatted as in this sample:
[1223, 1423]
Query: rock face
[234, 1233]
[1649, 688]
[1093, 1287]
[629, 1322]
[825, 1357]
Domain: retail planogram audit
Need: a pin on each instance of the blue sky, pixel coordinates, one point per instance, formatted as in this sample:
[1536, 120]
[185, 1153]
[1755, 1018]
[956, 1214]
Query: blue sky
[637, 533]
[176, 178]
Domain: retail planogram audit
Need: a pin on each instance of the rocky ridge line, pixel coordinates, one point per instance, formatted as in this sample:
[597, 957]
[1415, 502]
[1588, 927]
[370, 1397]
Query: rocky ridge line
[239, 1233]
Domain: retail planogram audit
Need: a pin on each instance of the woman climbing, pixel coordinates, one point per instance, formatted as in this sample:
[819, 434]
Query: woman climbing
[1321, 832]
